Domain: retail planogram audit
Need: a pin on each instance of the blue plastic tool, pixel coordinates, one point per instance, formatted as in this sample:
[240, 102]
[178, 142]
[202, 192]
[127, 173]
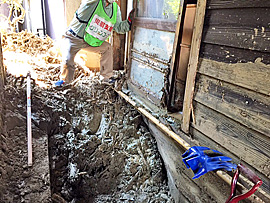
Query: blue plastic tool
[59, 83]
[203, 159]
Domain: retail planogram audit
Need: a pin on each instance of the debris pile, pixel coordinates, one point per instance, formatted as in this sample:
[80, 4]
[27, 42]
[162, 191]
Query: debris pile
[99, 148]
[26, 42]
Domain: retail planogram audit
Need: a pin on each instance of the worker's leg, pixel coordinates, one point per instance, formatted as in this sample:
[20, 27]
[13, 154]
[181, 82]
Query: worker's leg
[106, 58]
[70, 48]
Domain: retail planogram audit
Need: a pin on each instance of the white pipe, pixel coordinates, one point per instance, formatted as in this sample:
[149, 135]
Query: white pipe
[29, 128]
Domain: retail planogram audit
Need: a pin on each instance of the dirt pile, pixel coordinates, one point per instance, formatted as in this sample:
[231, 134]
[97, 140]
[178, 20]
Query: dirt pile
[99, 148]
[26, 42]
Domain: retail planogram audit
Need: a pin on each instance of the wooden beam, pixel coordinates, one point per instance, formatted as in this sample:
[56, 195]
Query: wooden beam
[232, 55]
[155, 121]
[240, 104]
[193, 63]
[183, 143]
[216, 4]
[253, 76]
[119, 41]
[239, 37]
[131, 40]
[176, 49]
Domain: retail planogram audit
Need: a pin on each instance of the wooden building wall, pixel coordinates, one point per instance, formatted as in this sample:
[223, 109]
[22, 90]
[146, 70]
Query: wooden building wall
[232, 95]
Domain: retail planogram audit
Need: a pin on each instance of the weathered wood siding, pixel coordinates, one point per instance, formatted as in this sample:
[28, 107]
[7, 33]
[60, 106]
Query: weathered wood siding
[208, 188]
[232, 96]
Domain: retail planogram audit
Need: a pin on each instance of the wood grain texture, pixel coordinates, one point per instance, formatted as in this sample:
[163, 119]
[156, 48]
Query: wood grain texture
[176, 51]
[246, 107]
[132, 34]
[232, 55]
[206, 141]
[253, 76]
[246, 28]
[215, 4]
[243, 142]
[242, 17]
[251, 38]
[193, 62]
[203, 189]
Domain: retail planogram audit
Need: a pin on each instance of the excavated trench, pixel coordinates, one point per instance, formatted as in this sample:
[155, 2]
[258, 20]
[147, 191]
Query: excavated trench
[98, 147]
[101, 149]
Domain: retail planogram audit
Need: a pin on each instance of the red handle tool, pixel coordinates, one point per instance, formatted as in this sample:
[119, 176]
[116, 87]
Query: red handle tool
[248, 174]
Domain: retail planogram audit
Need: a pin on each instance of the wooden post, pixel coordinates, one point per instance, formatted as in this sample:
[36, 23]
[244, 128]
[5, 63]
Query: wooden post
[2, 71]
[193, 63]
[129, 6]
[131, 39]
[119, 41]
[176, 48]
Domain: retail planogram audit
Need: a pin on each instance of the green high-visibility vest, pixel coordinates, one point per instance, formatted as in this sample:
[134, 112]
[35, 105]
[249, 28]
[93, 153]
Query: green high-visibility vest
[100, 25]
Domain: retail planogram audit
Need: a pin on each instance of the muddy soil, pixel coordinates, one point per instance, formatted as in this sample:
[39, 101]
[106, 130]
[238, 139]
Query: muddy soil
[99, 148]
[19, 182]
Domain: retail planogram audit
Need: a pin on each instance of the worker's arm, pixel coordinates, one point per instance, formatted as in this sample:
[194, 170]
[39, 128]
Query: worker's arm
[85, 10]
[120, 26]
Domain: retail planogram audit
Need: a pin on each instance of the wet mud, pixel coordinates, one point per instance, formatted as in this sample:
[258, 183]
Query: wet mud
[89, 145]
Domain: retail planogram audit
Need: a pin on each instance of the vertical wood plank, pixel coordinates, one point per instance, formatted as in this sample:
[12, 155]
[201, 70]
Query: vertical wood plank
[119, 41]
[216, 4]
[131, 40]
[176, 49]
[130, 6]
[193, 63]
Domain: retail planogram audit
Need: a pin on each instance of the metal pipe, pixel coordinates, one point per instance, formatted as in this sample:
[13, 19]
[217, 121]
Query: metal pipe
[43, 17]
[29, 127]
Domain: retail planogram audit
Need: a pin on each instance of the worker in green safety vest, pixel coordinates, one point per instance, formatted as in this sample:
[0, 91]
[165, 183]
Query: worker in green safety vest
[91, 25]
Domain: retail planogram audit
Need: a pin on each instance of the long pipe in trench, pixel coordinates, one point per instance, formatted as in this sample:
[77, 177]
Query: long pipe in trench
[29, 127]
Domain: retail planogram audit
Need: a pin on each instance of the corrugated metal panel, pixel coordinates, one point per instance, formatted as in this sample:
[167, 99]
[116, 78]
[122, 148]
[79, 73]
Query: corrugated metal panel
[150, 59]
